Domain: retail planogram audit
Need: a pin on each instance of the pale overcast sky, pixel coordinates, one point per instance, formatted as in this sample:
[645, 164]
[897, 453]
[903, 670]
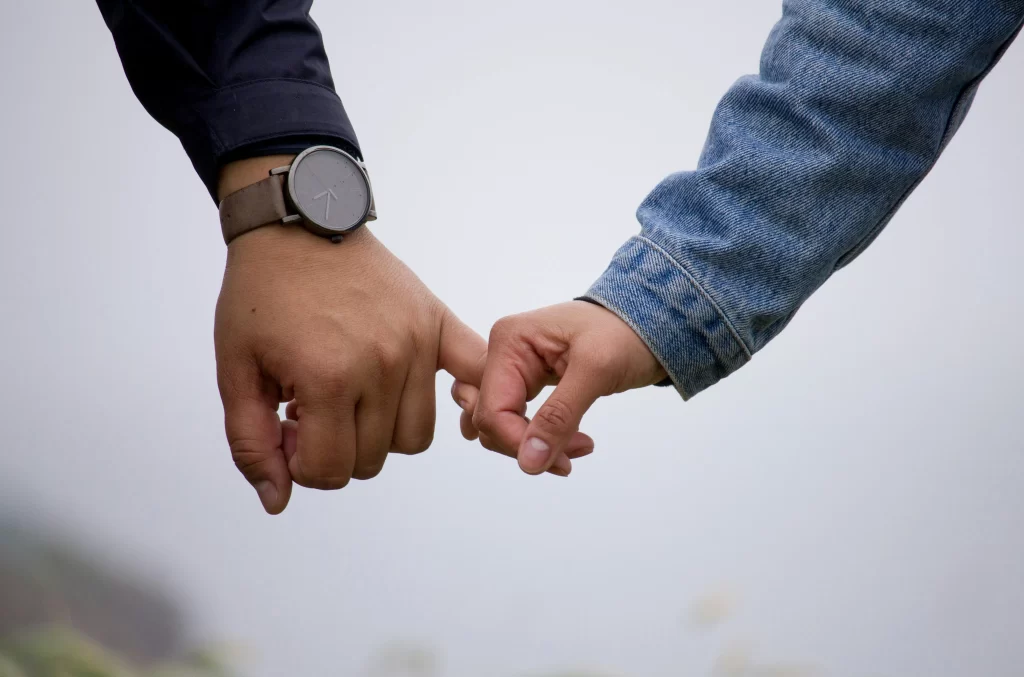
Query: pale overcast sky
[858, 485]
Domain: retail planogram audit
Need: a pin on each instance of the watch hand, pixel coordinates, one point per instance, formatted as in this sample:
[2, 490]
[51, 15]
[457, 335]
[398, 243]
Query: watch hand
[329, 193]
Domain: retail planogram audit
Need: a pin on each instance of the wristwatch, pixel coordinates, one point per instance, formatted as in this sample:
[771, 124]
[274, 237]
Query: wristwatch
[325, 190]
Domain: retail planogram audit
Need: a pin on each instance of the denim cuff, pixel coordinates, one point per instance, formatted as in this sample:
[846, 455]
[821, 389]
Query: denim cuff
[678, 320]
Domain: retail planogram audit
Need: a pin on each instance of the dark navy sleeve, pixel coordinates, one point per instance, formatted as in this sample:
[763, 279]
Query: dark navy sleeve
[230, 79]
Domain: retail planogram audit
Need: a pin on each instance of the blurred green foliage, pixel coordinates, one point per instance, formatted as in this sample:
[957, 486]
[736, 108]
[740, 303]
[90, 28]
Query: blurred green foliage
[65, 613]
[64, 652]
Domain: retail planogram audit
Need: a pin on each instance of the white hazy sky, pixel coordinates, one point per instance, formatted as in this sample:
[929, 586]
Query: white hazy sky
[859, 484]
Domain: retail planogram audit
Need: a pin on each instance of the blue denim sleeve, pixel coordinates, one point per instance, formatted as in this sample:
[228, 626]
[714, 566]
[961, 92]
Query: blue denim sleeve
[804, 165]
[231, 79]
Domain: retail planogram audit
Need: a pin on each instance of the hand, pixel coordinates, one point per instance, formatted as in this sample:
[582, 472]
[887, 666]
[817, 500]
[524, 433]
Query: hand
[583, 348]
[350, 337]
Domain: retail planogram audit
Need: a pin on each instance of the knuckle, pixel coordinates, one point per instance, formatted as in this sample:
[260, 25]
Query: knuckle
[414, 443]
[329, 392]
[330, 483]
[384, 356]
[315, 367]
[555, 414]
[246, 455]
[368, 471]
[415, 440]
[309, 365]
[329, 385]
[324, 481]
[503, 328]
[484, 420]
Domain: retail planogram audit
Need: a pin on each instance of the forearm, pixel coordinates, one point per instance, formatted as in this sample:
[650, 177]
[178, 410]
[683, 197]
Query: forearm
[231, 79]
[804, 165]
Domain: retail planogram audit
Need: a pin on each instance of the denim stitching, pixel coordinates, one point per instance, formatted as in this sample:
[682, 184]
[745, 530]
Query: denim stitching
[651, 345]
[704, 293]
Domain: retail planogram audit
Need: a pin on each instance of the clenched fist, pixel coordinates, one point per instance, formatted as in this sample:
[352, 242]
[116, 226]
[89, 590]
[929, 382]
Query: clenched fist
[346, 334]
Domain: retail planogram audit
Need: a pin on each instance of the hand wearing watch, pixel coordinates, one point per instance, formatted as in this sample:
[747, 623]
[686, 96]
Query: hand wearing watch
[325, 190]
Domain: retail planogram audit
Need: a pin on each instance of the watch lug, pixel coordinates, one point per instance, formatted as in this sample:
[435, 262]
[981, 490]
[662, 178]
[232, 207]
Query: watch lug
[280, 170]
[294, 218]
[371, 215]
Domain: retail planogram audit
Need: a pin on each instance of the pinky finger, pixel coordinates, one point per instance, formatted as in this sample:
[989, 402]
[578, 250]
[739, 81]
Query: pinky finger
[469, 430]
[289, 438]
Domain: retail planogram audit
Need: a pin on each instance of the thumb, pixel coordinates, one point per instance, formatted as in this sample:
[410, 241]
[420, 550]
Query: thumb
[255, 437]
[556, 422]
[461, 351]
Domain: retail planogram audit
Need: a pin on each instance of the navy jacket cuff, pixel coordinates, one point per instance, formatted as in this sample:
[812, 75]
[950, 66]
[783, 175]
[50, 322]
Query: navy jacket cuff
[261, 117]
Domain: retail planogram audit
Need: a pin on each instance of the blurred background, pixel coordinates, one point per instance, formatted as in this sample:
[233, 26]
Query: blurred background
[849, 502]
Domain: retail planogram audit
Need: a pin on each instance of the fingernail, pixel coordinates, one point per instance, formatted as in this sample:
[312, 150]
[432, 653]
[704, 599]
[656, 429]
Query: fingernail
[464, 404]
[267, 492]
[554, 470]
[535, 454]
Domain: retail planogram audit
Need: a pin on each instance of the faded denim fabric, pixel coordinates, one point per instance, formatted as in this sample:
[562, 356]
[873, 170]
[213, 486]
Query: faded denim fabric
[804, 165]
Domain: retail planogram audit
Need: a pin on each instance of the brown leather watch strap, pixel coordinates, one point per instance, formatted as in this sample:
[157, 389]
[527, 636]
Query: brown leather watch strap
[254, 206]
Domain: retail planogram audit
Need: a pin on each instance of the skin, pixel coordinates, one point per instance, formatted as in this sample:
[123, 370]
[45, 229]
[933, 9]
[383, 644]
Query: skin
[357, 390]
[583, 349]
[348, 336]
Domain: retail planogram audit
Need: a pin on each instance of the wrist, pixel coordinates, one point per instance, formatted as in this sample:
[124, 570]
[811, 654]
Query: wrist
[644, 365]
[674, 315]
[292, 247]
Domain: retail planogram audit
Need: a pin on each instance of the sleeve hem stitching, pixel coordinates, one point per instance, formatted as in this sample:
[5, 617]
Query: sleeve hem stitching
[703, 292]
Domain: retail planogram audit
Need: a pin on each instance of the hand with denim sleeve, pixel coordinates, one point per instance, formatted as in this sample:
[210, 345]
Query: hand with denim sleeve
[804, 165]
[582, 349]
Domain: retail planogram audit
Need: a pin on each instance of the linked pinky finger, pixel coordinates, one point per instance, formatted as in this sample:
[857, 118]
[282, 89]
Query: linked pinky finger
[466, 426]
[465, 396]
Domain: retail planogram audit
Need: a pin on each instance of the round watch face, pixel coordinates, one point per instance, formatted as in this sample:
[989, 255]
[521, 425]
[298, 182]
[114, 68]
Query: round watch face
[329, 189]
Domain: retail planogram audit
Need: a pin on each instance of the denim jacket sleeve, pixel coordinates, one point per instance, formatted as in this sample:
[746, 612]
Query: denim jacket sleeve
[804, 165]
[230, 79]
